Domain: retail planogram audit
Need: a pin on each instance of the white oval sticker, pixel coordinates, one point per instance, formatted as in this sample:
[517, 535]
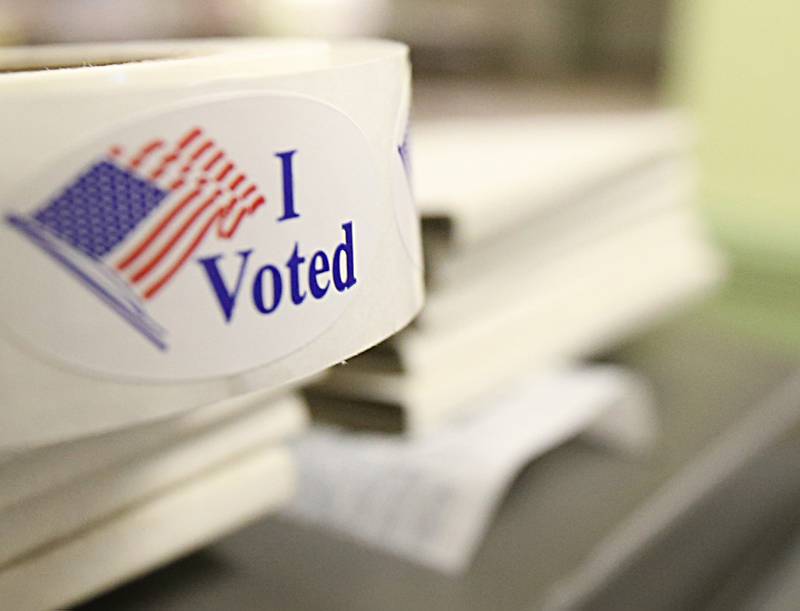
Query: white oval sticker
[199, 241]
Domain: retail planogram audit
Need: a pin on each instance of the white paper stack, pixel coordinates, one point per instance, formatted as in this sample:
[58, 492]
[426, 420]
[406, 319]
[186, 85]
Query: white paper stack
[80, 517]
[547, 239]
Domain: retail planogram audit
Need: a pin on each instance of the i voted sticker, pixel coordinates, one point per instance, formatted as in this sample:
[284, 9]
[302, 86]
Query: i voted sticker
[202, 240]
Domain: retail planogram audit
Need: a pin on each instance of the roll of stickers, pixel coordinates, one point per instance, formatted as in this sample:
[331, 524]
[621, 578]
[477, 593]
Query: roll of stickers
[184, 222]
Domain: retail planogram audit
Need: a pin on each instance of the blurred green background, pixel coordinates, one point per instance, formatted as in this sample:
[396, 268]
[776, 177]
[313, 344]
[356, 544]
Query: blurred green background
[734, 64]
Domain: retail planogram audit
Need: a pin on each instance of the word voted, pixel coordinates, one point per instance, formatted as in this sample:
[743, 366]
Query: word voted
[268, 282]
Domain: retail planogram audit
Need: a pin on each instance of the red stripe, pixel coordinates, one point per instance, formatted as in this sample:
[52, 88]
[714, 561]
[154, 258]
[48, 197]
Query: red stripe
[206, 145]
[145, 152]
[213, 161]
[188, 138]
[248, 191]
[225, 171]
[236, 182]
[173, 156]
[164, 251]
[156, 231]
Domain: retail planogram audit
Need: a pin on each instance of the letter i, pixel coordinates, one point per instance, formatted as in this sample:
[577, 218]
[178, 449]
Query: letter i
[288, 185]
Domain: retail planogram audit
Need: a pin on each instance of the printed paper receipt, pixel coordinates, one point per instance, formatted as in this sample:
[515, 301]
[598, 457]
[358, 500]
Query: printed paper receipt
[431, 499]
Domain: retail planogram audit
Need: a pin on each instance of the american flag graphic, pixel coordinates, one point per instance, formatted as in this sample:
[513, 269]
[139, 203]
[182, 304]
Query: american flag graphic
[127, 225]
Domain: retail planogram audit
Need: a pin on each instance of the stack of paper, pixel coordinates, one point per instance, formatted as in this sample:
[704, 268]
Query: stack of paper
[80, 517]
[547, 239]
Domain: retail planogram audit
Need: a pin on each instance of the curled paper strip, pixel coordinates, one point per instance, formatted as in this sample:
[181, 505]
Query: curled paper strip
[431, 499]
[184, 222]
